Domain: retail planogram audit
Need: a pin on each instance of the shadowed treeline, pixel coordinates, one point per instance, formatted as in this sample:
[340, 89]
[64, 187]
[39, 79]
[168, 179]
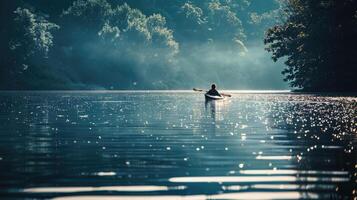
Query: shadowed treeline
[318, 41]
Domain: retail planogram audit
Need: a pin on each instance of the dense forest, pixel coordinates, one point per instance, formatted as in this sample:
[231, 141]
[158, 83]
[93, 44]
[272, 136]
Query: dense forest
[137, 44]
[178, 44]
[318, 42]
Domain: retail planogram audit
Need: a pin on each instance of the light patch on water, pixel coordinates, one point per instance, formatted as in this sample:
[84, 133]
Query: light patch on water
[232, 179]
[265, 195]
[253, 179]
[137, 188]
[294, 187]
[105, 173]
[291, 172]
[122, 197]
[332, 147]
[235, 187]
[260, 157]
[227, 196]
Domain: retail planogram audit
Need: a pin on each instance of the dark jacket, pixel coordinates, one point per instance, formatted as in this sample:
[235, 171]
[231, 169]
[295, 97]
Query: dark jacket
[213, 92]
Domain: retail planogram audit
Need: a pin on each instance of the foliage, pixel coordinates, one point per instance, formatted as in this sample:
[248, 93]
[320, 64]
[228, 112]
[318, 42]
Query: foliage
[114, 44]
[318, 41]
[193, 12]
[122, 25]
[34, 31]
[215, 22]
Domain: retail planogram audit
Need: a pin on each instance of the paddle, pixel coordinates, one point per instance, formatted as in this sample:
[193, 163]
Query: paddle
[200, 90]
[197, 90]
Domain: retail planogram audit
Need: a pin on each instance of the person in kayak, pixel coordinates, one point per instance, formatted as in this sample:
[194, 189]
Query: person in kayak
[213, 91]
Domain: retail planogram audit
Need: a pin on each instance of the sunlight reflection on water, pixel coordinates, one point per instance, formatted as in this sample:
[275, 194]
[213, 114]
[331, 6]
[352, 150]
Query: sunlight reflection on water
[176, 145]
[227, 196]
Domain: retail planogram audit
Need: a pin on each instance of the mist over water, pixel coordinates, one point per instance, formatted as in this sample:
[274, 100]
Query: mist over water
[101, 44]
[199, 66]
[230, 69]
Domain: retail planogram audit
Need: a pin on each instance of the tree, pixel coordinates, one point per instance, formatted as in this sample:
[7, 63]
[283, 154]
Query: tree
[317, 39]
[30, 38]
[34, 34]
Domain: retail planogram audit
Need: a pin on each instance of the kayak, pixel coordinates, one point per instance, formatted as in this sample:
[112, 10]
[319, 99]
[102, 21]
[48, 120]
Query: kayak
[212, 97]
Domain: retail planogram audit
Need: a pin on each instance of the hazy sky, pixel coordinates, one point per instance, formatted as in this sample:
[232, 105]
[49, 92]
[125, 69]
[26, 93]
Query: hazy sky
[137, 44]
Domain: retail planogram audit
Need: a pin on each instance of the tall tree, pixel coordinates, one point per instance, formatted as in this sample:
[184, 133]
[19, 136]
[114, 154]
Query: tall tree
[318, 40]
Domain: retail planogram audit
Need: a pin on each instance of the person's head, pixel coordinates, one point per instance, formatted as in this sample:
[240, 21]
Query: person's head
[213, 86]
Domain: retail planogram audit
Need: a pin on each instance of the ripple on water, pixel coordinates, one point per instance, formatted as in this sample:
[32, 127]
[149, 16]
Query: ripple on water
[163, 145]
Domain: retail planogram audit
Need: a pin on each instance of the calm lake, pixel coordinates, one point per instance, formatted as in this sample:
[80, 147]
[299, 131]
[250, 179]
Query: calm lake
[176, 145]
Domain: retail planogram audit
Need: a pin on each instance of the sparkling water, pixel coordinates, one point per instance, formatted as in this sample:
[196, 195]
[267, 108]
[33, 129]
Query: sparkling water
[177, 145]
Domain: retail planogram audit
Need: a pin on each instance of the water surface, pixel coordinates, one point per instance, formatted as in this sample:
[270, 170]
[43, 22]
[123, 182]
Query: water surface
[176, 145]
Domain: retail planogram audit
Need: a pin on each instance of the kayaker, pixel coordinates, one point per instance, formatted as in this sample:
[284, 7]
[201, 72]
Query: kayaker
[213, 91]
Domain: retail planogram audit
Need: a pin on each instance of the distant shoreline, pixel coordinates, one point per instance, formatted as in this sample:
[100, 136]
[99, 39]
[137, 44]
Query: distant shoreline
[294, 92]
[151, 91]
[233, 92]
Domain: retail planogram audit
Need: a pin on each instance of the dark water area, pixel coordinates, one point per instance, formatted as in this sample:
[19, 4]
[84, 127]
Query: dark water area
[176, 145]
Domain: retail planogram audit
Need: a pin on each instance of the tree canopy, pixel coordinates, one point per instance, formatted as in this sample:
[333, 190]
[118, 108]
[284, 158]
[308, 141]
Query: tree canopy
[136, 44]
[318, 42]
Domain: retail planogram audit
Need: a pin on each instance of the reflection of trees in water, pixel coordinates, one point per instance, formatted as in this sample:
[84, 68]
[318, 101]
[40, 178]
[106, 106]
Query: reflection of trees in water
[325, 128]
[57, 142]
[31, 152]
[301, 121]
